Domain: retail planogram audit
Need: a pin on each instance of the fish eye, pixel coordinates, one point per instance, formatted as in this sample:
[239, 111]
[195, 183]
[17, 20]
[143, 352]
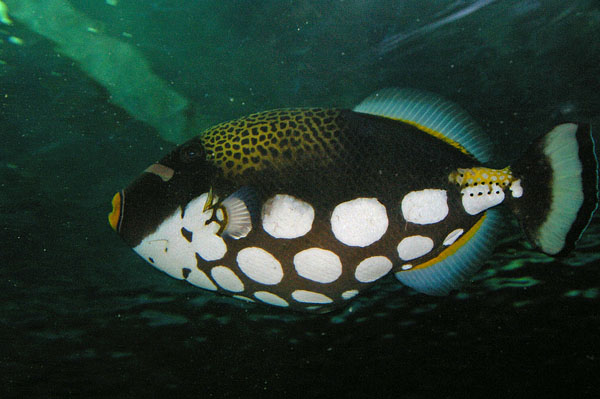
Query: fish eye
[191, 152]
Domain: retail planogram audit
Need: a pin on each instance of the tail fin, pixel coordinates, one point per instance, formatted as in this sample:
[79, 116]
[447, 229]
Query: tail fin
[559, 177]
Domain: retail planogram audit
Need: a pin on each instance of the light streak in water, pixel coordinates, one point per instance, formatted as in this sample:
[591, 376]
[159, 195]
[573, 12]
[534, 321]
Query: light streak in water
[392, 42]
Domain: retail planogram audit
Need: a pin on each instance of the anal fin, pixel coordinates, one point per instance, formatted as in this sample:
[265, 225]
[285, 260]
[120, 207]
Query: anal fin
[457, 263]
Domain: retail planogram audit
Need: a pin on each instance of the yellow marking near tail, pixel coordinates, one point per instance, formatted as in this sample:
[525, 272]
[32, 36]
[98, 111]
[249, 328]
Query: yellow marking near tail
[480, 175]
[451, 250]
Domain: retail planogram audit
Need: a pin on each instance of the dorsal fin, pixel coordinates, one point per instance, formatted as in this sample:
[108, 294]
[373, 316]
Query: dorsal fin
[431, 114]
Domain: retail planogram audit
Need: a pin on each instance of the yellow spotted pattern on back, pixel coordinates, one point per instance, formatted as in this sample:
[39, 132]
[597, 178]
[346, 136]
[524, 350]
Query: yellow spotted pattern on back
[480, 175]
[276, 138]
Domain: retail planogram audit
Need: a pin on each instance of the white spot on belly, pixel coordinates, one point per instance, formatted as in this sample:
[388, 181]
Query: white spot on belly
[414, 247]
[425, 206]
[166, 249]
[270, 298]
[359, 222]
[310, 297]
[349, 294]
[476, 199]
[227, 279]
[205, 240]
[169, 251]
[260, 265]
[372, 269]
[209, 245]
[284, 216]
[318, 265]
[200, 279]
[406, 267]
[453, 236]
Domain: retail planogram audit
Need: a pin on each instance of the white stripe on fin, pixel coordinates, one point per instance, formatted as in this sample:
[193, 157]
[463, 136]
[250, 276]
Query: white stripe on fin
[240, 206]
[432, 112]
[562, 151]
[450, 272]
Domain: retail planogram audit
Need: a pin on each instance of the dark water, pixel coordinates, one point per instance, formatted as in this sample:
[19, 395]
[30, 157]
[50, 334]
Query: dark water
[82, 316]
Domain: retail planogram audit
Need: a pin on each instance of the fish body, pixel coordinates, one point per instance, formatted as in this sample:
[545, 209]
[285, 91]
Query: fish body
[305, 208]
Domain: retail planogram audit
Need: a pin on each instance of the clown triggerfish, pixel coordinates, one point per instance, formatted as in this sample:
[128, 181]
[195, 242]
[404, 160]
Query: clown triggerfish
[307, 207]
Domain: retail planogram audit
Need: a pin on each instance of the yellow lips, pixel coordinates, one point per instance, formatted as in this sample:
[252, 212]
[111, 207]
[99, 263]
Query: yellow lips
[115, 215]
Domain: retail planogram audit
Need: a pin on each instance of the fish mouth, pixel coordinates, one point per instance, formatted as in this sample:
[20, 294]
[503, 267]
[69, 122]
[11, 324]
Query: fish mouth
[115, 216]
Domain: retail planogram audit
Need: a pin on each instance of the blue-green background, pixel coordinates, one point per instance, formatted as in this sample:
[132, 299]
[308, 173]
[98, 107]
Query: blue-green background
[82, 316]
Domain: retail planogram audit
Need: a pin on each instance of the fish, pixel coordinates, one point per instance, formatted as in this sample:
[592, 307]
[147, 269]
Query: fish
[305, 208]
